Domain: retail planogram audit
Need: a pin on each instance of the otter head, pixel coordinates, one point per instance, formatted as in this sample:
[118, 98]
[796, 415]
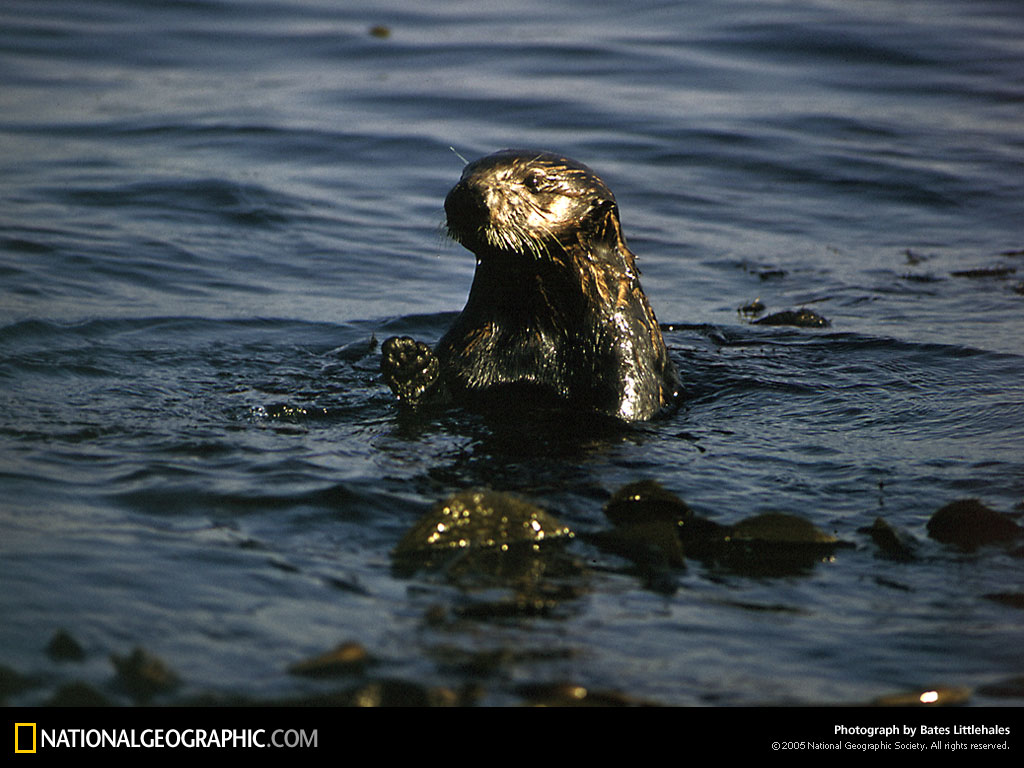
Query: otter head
[517, 203]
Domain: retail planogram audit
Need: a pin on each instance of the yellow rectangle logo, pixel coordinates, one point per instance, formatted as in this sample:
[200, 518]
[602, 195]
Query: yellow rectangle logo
[20, 730]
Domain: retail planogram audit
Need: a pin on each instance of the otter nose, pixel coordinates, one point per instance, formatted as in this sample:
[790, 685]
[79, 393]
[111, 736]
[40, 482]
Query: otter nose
[465, 207]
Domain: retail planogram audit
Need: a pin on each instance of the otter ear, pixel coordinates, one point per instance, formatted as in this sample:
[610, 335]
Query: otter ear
[608, 232]
[607, 226]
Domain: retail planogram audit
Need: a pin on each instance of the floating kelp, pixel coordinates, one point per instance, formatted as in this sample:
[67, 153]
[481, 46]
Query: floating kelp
[968, 524]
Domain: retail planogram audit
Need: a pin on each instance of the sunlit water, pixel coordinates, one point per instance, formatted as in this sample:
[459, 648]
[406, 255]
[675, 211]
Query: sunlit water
[211, 211]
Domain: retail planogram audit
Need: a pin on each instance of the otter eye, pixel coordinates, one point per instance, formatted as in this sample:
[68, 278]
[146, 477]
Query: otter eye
[534, 180]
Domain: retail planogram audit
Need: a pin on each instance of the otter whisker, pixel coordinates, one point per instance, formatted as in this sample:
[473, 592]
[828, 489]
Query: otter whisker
[464, 160]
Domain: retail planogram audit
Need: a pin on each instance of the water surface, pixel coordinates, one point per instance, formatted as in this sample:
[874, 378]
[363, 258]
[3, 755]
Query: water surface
[212, 212]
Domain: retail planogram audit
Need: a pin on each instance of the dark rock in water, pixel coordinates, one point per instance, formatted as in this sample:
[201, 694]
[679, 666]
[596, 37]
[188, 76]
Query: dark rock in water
[63, 647]
[780, 528]
[776, 544]
[982, 272]
[648, 521]
[142, 675]
[752, 309]
[645, 510]
[477, 538]
[480, 519]
[802, 318]
[968, 524]
[1012, 599]
[1011, 688]
[655, 529]
[892, 544]
[12, 682]
[652, 544]
[346, 659]
[521, 605]
[646, 501]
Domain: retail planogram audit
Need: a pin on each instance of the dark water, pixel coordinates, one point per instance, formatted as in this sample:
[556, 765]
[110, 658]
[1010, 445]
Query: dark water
[209, 211]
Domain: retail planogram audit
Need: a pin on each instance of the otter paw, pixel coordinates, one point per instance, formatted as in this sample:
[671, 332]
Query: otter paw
[410, 368]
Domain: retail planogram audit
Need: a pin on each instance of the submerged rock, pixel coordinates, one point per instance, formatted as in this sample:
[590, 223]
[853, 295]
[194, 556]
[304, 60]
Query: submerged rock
[982, 272]
[143, 675]
[968, 524]
[655, 529]
[777, 544]
[780, 528]
[648, 524]
[1011, 599]
[647, 520]
[891, 543]
[12, 682]
[645, 513]
[78, 695]
[63, 647]
[646, 501]
[1010, 688]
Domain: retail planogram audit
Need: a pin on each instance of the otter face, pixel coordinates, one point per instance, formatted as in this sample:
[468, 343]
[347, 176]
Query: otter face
[523, 202]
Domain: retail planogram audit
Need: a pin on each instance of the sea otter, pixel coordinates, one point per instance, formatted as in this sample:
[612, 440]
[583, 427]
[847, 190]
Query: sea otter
[556, 316]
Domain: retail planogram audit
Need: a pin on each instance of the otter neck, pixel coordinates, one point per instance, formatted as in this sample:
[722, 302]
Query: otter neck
[561, 290]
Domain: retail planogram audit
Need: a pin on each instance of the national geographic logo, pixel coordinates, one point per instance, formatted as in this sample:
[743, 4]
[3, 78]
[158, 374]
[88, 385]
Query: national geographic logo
[29, 738]
[25, 738]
